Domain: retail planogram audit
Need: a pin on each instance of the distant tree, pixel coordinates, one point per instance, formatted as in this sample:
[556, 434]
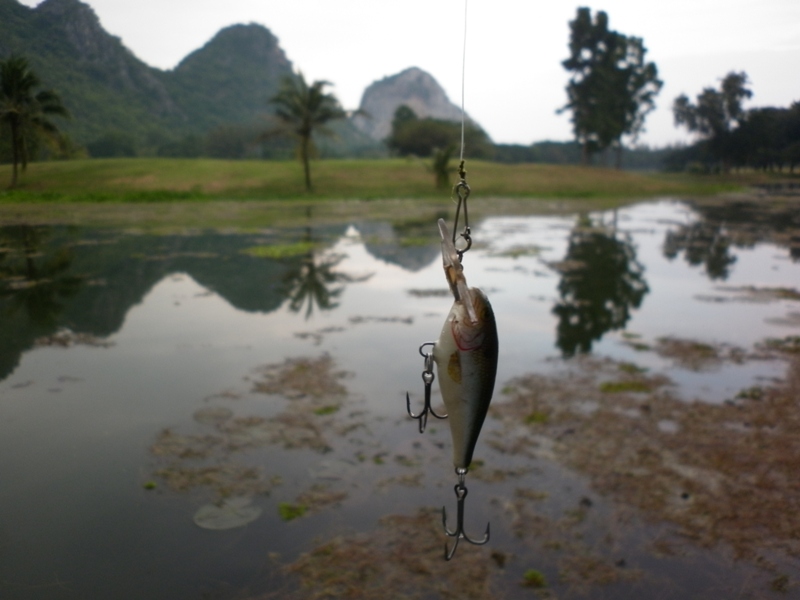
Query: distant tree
[404, 114]
[767, 138]
[791, 152]
[230, 142]
[189, 146]
[114, 144]
[715, 114]
[423, 137]
[25, 111]
[304, 110]
[612, 88]
[440, 166]
[640, 85]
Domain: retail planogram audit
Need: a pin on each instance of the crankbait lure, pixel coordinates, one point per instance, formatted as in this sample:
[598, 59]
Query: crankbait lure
[466, 361]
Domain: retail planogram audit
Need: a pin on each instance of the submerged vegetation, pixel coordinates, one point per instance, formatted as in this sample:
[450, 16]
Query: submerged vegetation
[718, 474]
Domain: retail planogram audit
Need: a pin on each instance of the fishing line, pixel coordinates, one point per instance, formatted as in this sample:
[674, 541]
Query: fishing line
[463, 77]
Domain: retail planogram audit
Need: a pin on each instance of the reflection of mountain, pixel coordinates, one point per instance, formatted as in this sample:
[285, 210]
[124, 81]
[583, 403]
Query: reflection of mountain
[601, 282]
[412, 245]
[54, 278]
[722, 227]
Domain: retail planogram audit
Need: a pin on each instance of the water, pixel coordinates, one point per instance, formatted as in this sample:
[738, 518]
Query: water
[113, 342]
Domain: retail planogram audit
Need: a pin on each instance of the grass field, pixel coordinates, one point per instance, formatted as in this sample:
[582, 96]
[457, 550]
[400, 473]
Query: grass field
[128, 189]
[164, 179]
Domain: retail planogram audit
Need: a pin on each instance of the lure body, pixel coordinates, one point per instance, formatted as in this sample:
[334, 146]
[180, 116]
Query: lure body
[466, 359]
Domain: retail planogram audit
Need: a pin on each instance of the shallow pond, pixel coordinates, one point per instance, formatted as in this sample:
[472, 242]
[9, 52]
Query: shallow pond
[222, 414]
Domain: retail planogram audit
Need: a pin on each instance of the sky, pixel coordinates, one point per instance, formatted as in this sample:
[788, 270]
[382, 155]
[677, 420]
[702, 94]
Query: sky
[513, 80]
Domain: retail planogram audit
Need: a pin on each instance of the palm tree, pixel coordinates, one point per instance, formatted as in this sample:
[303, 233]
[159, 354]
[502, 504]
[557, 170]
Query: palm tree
[25, 111]
[304, 109]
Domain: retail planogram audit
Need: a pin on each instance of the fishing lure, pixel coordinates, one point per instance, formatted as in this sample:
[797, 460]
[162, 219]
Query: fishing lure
[466, 361]
[465, 356]
[466, 351]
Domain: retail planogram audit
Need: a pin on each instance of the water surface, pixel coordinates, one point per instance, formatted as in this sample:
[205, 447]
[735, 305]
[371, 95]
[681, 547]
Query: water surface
[143, 377]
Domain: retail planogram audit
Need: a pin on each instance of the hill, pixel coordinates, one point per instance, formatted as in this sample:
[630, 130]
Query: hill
[122, 106]
[100, 81]
[412, 87]
[230, 79]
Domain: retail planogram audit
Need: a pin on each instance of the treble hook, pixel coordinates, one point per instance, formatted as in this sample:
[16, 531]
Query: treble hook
[427, 378]
[459, 533]
[462, 192]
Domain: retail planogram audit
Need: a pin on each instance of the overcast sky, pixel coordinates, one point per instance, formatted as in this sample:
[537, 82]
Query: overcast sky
[514, 79]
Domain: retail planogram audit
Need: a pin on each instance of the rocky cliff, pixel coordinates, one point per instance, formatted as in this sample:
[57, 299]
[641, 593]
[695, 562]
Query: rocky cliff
[414, 88]
[93, 49]
[107, 88]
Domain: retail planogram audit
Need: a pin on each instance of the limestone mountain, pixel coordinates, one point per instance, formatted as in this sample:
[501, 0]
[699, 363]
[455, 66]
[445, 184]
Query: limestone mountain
[225, 85]
[222, 88]
[229, 79]
[100, 81]
[414, 88]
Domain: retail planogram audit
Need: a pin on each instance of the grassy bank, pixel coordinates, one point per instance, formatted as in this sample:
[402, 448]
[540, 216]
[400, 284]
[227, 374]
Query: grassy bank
[200, 193]
[158, 180]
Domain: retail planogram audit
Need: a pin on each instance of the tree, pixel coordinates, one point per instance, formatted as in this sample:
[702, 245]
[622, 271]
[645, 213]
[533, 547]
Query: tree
[641, 85]
[304, 110]
[113, 144]
[715, 114]
[440, 166]
[612, 88]
[24, 111]
[425, 137]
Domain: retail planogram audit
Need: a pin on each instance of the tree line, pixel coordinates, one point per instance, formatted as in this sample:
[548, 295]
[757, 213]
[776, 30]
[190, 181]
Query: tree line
[732, 137]
[611, 90]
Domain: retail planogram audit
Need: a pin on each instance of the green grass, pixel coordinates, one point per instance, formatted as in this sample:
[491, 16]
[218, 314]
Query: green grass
[537, 418]
[160, 179]
[160, 194]
[280, 250]
[326, 410]
[533, 578]
[616, 387]
[290, 512]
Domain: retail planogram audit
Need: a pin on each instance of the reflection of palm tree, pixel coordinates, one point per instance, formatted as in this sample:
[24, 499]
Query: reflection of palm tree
[36, 287]
[600, 284]
[311, 283]
[702, 243]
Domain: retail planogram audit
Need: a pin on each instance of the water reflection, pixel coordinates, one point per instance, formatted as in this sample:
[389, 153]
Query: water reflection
[601, 282]
[36, 283]
[314, 281]
[56, 279]
[710, 239]
[411, 244]
[703, 243]
[593, 469]
[35, 287]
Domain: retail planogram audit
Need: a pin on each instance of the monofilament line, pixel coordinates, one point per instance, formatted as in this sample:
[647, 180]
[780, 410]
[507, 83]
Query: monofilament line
[463, 71]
